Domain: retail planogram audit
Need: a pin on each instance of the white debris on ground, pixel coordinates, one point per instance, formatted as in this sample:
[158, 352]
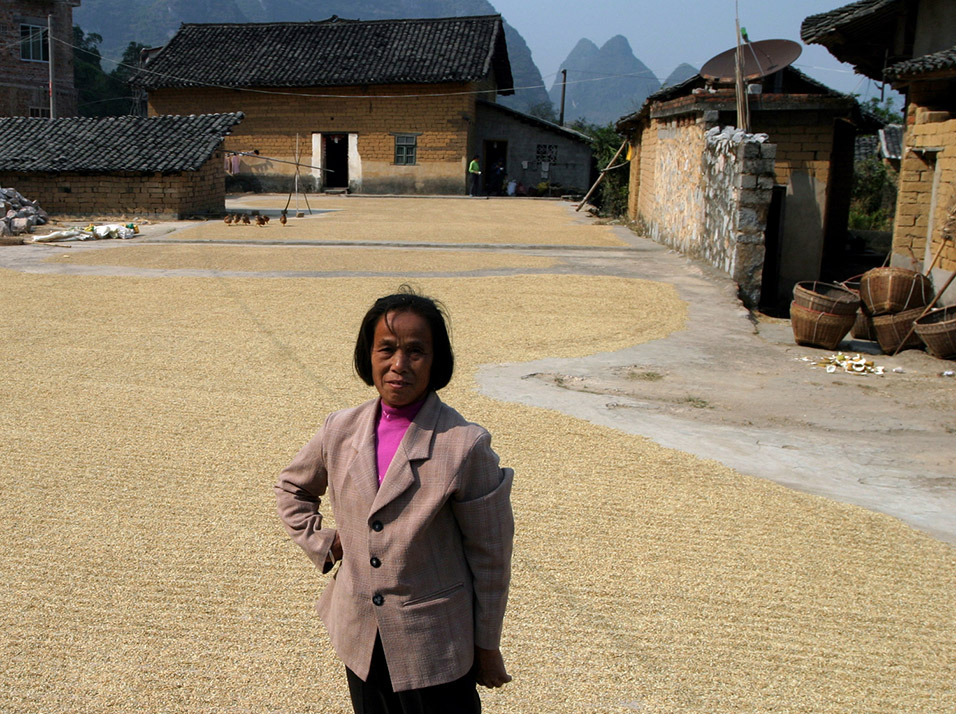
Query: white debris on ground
[732, 135]
[20, 214]
[91, 232]
[856, 364]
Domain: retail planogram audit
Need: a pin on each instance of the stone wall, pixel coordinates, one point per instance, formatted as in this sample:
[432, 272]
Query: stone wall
[127, 194]
[706, 195]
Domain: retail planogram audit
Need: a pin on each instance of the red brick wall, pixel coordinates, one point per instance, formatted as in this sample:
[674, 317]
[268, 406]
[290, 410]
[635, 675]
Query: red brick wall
[25, 84]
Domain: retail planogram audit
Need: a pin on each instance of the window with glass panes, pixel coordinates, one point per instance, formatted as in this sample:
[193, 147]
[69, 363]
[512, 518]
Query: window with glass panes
[405, 147]
[33, 43]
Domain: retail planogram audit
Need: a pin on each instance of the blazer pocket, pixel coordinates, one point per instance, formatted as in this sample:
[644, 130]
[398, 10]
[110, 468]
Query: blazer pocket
[443, 593]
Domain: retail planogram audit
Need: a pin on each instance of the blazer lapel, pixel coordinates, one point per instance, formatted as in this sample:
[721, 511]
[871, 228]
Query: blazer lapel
[416, 446]
[363, 470]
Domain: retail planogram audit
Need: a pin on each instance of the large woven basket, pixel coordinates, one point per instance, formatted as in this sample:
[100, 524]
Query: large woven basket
[885, 291]
[818, 329]
[863, 327]
[937, 330]
[891, 330]
[826, 297]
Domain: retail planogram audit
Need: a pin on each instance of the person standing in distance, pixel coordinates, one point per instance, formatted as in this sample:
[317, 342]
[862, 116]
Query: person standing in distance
[474, 172]
[424, 525]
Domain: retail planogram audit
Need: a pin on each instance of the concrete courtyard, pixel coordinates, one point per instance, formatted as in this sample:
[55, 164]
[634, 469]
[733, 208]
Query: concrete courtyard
[152, 389]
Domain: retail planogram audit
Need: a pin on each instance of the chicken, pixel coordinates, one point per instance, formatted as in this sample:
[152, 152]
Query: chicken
[282, 218]
[245, 220]
[228, 219]
[260, 220]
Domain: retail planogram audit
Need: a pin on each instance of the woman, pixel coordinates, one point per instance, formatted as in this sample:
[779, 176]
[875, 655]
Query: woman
[424, 525]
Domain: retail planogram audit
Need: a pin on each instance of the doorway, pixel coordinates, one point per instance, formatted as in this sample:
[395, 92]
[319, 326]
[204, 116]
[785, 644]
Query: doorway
[335, 149]
[495, 168]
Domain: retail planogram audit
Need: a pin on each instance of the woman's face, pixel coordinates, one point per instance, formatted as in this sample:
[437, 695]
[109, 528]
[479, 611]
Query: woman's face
[402, 357]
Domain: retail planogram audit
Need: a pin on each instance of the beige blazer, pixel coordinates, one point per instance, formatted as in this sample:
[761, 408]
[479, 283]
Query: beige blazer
[426, 556]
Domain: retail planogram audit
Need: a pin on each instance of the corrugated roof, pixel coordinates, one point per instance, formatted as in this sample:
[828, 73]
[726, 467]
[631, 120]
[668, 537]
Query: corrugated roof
[331, 53]
[101, 144]
[937, 63]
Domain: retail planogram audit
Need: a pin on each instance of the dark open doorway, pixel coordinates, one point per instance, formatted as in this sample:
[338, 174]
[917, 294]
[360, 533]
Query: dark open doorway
[495, 168]
[336, 149]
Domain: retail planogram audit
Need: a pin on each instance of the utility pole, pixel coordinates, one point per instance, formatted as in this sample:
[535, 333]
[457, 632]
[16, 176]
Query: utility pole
[49, 40]
[564, 84]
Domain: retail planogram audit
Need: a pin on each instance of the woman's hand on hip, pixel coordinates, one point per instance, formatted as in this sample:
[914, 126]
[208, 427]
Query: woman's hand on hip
[490, 668]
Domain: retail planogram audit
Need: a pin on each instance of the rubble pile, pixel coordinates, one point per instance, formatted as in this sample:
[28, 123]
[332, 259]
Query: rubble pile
[20, 214]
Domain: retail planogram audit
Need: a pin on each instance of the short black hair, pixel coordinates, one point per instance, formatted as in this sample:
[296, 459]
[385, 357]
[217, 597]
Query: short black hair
[431, 310]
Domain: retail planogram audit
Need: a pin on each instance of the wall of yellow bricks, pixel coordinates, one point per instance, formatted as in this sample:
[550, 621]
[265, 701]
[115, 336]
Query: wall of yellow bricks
[127, 194]
[443, 116]
[929, 157]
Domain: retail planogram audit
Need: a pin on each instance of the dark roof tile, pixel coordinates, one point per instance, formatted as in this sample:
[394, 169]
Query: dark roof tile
[942, 62]
[815, 27]
[333, 52]
[106, 144]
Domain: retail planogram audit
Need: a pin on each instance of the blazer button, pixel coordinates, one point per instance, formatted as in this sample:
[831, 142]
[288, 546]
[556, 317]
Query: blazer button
[376, 563]
[377, 526]
[377, 599]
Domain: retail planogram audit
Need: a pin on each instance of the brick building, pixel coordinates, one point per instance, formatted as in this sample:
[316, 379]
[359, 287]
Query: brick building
[166, 166]
[912, 45]
[805, 206]
[25, 57]
[380, 107]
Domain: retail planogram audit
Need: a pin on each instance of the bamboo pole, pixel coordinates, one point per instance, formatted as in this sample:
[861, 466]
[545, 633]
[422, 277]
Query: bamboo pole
[601, 177]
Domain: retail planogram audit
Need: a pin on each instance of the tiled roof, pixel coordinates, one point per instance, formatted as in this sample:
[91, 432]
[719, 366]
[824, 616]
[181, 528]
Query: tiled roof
[538, 122]
[333, 52]
[816, 26]
[942, 62]
[891, 141]
[95, 145]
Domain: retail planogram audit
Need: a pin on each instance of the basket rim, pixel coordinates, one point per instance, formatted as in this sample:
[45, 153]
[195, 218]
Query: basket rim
[935, 313]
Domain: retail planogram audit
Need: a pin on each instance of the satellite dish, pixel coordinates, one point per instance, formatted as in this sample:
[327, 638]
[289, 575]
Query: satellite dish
[758, 60]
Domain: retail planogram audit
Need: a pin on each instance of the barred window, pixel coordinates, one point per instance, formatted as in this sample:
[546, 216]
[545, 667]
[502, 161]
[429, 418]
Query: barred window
[40, 112]
[547, 152]
[33, 43]
[405, 148]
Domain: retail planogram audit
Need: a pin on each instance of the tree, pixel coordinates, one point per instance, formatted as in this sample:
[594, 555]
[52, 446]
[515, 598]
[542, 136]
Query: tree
[100, 94]
[611, 195]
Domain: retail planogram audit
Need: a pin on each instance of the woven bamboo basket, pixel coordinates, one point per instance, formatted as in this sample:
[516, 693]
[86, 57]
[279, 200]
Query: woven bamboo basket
[886, 291]
[863, 326]
[937, 330]
[891, 330]
[818, 329]
[826, 297]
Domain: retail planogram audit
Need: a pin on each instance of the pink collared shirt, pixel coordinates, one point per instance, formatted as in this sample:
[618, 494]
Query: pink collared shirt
[392, 424]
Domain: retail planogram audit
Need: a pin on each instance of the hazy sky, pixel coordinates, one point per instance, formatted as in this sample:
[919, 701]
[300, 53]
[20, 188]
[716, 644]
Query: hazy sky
[664, 33]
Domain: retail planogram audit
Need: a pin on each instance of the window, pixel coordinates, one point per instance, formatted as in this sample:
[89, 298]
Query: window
[40, 112]
[547, 152]
[33, 43]
[406, 146]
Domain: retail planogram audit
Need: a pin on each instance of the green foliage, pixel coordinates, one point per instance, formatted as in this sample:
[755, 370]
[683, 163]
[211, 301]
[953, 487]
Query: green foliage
[873, 196]
[611, 195]
[883, 110]
[101, 94]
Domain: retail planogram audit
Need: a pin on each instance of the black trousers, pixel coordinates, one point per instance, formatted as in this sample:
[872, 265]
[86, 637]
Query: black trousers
[375, 695]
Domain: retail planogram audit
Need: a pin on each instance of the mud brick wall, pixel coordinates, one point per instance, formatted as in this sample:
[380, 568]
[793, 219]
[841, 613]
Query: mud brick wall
[442, 117]
[927, 188]
[127, 194]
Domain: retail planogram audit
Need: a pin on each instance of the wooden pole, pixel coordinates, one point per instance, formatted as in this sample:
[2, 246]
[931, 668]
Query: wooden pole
[49, 40]
[564, 84]
[936, 257]
[601, 177]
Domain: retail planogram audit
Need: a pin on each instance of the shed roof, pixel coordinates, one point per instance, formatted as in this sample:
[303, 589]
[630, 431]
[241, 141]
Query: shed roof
[333, 52]
[937, 64]
[860, 33]
[102, 144]
[537, 122]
